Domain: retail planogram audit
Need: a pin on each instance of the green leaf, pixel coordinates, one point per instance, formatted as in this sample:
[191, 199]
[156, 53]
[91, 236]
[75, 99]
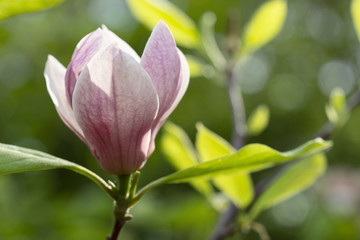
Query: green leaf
[250, 158]
[179, 151]
[15, 159]
[355, 12]
[265, 25]
[10, 8]
[336, 110]
[149, 12]
[258, 120]
[294, 179]
[210, 145]
[238, 186]
[338, 100]
[208, 40]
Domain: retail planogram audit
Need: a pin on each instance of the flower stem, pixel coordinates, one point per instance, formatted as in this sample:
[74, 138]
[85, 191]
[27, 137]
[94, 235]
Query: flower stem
[91, 175]
[121, 205]
[124, 185]
[116, 230]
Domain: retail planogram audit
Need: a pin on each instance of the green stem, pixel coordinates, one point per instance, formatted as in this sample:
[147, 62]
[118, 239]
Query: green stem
[260, 230]
[121, 205]
[124, 185]
[134, 183]
[93, 176]
[146, 188]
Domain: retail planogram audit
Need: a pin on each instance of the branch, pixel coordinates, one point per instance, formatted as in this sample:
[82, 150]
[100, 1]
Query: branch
[223, 229]
[324, 133]
[237, 110]
[116, 230]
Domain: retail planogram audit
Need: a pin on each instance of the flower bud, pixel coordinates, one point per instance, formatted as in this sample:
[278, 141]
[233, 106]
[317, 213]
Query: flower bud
[115, 101]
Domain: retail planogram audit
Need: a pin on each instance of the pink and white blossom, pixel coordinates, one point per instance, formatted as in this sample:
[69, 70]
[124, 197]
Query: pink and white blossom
[115, 101]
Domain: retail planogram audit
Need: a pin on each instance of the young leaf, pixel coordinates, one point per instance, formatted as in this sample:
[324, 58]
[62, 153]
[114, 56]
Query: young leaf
[210, 145]
[238, 186]
[355, 12]
[208, 40]
[258, 120]
[265, 25]
[179, 151]
[295, 179]
[9, 8]
[15, 159]
[336, 110]
[338, 100]
[250, 158]
[149, 12]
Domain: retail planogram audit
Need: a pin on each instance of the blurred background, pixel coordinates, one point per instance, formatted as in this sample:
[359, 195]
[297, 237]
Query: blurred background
[316, 51]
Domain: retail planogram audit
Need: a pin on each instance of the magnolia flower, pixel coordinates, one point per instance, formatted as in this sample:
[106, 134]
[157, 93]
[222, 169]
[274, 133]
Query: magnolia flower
[115, 101]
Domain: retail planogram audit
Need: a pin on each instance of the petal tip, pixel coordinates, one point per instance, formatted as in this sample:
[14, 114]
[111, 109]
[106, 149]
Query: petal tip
[104, 28]
[162, 26]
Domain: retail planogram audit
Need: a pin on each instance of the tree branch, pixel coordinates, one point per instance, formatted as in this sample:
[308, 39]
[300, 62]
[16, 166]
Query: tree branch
[324, 133]
[223, 229]
[116, 230]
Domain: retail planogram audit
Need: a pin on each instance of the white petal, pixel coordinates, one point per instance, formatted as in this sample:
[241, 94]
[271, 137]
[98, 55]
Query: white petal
[55, 82]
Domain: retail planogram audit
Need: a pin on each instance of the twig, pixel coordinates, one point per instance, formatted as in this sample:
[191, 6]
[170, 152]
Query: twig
[223, 229]
[324, 133]
[116, 230]
[237, 110]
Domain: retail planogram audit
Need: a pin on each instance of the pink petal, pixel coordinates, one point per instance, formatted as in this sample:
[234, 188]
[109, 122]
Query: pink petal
[115, 104]
[86, 49]
[184, 82]
[113, 38]
[55, 82]
[168, 70]
[162, 61]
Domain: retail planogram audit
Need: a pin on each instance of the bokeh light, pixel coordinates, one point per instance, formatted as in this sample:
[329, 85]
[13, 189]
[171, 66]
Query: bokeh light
[334, 74]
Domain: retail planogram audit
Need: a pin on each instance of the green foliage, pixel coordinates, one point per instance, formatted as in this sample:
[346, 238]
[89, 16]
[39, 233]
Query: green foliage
[238, 186]
[179, 151]
[258, 120]
[15, 159]
[265, 25]
[208, 40]
[149, 12]
[294, 179]
[9, 8]
[210, 145]
[28, 118]
[355, 11]
[336, 110]
[252, 157]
